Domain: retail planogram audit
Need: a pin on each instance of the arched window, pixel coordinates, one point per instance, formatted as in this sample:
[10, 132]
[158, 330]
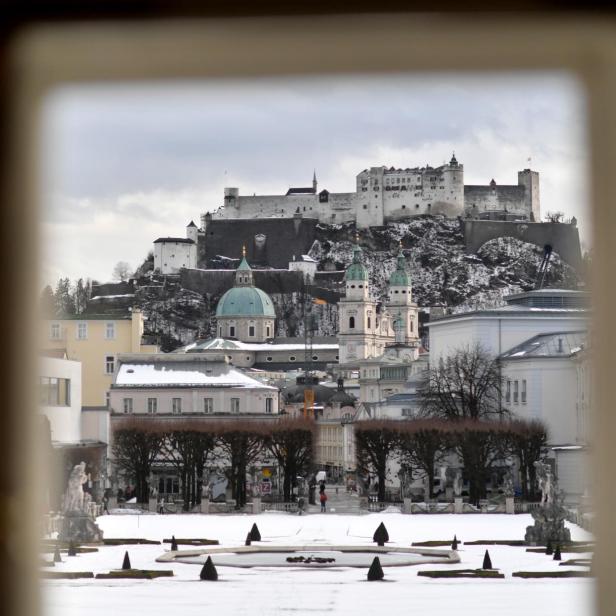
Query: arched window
[351, 322]
[369, 322]
[411, 323]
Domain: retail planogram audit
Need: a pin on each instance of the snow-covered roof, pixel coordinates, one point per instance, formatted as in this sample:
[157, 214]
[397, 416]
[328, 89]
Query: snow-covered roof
[558, 344]
[173, 373]
[231, 345]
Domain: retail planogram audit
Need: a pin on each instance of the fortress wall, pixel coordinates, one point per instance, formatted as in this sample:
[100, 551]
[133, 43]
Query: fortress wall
[563, 238]
[511, 198]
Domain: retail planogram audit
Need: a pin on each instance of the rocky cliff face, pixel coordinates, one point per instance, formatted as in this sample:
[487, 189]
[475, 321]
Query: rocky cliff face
[442, 275]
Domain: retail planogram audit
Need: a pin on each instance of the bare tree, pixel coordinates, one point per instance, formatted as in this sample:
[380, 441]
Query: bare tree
[375, 442]
[121, 271]
[291, 442]
[528, 441]
[423, 443]
[136, 445]
[554, 216]
[465, 385]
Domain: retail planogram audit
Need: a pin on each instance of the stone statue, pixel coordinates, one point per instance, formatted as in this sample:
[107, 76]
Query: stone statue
[508, 484]
[77, 525]
[550, 517]
[457, 483]
[545, 481]
[74, 496]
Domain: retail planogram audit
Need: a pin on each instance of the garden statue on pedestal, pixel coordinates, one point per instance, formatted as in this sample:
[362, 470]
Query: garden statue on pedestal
[77, 525]
[550, 517]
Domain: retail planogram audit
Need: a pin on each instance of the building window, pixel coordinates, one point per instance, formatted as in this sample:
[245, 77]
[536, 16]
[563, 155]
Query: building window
[267, 331]
[220, 332]
[82, 331]
[208, 405]
[292, 358]
[524, 392]
[251, 331]
[55, 331]
[411, 323]
[109, 330]
[369, 322]
[235, 405]
[268, 358]
[315, 358]
[351, 322]
[269, 405]
[109, 364]
[176, 405]
[127, 405]
[508, 392]
[54, 392]
[515, 392]
[232, 331]
[152, 405]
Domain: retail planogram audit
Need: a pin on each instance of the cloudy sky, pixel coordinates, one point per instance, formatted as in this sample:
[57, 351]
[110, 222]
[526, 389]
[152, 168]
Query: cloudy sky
[123, 165]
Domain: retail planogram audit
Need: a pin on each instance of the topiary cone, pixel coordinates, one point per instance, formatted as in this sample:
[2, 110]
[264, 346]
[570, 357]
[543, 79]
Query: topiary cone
[71, 549]
[248, 541]
[548, 548]
[209, 572]
[375, 573]
[56, 555]
[487, 562]
[557, 553]
[126, 563]
[381, 536]
[454, 543]
[255, 535]
[174, 544]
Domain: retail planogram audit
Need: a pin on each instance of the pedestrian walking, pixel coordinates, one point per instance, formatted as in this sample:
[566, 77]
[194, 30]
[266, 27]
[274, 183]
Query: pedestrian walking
[323, 499]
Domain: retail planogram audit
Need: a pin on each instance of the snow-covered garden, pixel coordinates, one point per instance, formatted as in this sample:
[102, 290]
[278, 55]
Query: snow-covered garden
[268, 591]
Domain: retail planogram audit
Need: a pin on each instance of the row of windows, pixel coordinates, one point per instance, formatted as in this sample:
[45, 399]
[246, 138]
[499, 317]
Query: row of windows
[369, 322]
[519, 395]
[81, 332]
[54, 391]
[176, 405]
[251, 331]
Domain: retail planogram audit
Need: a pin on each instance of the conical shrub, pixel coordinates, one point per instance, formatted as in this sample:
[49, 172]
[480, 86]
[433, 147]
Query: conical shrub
[487, 562]
[548, 548]
[255, 535]
[126, 563]
[174, 544]
[208, 572]
[56, 555]
[381, 536]
[375, 573]
[248, 540]
[71, 549]
[557, 553]
[454, 543]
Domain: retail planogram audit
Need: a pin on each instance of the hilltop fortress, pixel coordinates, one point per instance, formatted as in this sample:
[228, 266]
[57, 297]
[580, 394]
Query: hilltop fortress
[384, 195]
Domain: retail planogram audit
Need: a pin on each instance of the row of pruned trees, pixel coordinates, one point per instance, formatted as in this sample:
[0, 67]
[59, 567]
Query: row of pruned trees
[192, 445]
[423, 444]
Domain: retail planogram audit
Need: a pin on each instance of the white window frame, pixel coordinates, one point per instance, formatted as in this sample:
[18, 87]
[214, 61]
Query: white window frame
[152, 405]
[53, 328]
[269, 405]
[82, 327]
[523, 392]
[508, 391]
[235, 406]
[109, 330]
[516, 392]
[176, 406]
[208, 405]
[127, 406]
[109, 364]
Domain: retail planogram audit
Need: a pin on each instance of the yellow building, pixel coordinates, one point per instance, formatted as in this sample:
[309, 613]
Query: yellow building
[96, 341]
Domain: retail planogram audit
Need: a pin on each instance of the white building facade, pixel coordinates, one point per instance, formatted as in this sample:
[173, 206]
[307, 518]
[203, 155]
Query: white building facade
[174, 253]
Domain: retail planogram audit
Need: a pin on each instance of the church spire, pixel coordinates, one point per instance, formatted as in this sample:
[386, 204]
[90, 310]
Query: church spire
[314, 181]
[243, 273]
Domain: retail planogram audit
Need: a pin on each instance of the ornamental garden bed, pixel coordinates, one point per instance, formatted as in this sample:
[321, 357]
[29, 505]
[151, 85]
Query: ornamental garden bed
[464, 573]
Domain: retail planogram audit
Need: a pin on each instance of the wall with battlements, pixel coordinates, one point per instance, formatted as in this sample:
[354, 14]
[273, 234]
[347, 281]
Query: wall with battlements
[385, 194]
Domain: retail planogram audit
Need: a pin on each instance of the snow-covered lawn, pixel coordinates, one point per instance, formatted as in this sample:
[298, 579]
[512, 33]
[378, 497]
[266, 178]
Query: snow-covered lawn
[344, 591]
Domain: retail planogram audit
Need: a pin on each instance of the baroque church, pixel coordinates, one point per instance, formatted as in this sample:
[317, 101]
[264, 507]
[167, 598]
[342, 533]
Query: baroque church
[366, 327]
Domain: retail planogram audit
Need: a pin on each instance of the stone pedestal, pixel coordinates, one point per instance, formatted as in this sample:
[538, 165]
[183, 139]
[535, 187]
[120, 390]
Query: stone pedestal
[407, 508]
[153, 505]
[205, 505]
[256, 505]
[113, 502]
[79, 528]
[448, 494]
[458, 504]
[509, 505]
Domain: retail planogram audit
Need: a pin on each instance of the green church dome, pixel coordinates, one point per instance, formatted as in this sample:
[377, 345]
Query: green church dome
[400, 276]
[357, 270]
[245, 302]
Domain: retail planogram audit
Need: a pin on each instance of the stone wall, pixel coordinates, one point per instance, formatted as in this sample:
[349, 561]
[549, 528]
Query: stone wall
[563, 238]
